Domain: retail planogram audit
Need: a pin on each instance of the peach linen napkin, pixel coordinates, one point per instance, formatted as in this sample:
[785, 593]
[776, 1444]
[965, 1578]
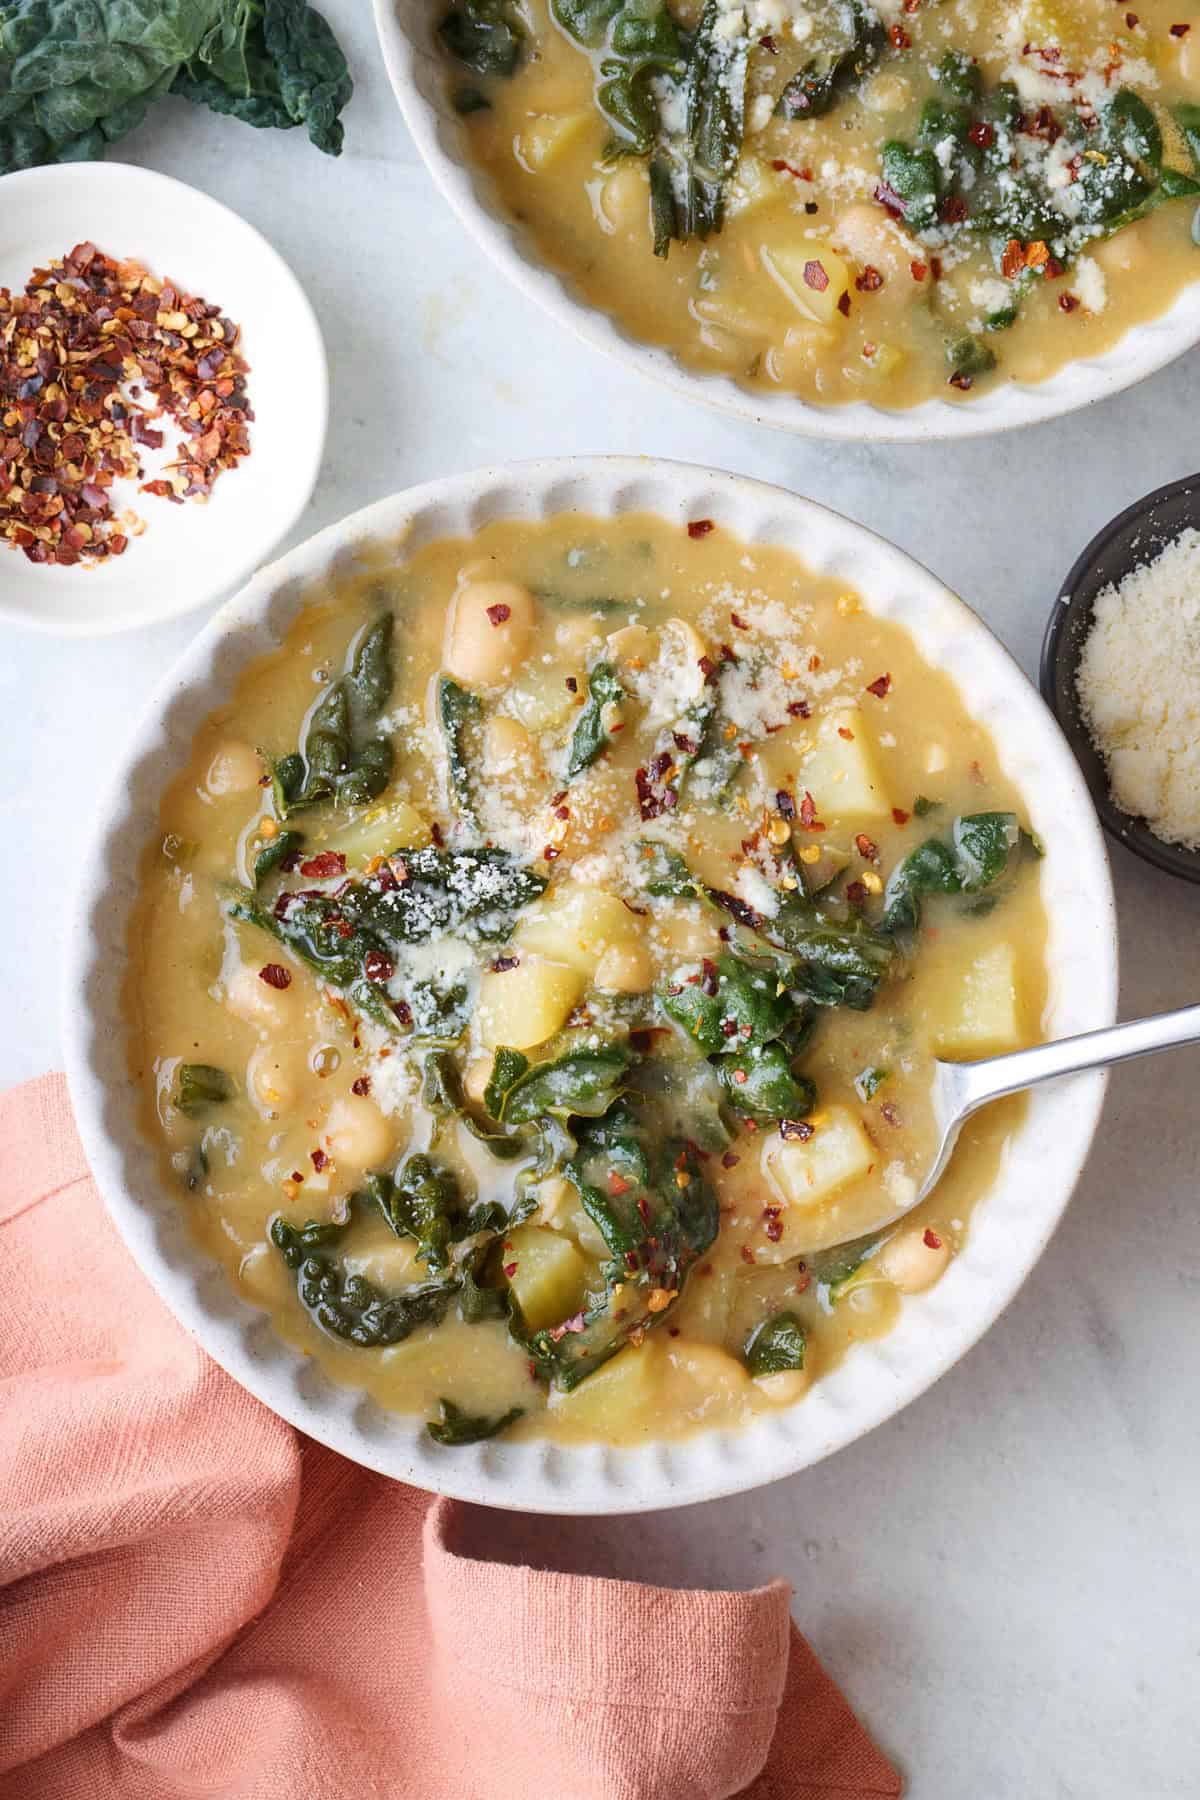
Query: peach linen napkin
[196, 1601]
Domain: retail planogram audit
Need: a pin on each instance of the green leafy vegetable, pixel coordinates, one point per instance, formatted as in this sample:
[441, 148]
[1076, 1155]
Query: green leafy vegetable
[825, 80]
[664, 871]
[275, 853]
[459, 711]
[868, 1081]
[341, 758]
[200, 1087]
[76, 75]
[760, 1084]
[508, 1066]
[486, 36]
[583, 1083]
[979, 852]
[443, 1093]
[420, 1201]
[741, 1014]
[777, 1345]
[457, 1427]
[638, 39]
[590, 738]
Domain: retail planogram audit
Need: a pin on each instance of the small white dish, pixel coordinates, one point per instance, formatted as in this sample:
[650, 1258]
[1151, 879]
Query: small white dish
[198, 551]
[1012, 1223]
[418, 73]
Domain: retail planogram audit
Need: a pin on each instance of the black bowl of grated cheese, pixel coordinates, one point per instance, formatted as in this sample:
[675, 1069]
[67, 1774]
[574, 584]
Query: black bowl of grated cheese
[1121, 672]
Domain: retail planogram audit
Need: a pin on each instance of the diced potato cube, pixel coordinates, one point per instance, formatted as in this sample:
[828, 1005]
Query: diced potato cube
[812, 275]
[986, 1019]
[540, 699]
[378, 831]
[806, 1173]
[576, 925]
[524, 1006]
[620, 1397]
[547, 136]
[550, 1274]
[841, 771]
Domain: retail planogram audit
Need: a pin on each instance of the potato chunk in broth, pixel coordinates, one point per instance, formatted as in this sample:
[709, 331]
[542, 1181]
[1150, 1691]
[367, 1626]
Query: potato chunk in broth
[535, 984]
[879, 202]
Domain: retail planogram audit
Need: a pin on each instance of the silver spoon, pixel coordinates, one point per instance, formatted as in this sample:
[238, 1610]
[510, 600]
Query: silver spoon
[961, 1088]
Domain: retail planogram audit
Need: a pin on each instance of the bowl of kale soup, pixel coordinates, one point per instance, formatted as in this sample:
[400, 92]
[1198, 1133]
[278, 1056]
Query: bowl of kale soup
[505, 983]
[850, 221]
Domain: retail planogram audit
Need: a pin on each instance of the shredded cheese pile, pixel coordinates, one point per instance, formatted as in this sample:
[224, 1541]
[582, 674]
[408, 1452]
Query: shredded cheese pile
[1139, 687]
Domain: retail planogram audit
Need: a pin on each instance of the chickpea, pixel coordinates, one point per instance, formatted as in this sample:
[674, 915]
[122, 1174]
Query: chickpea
[249, 998]
[625, 197]
[625, 969]
[868, 237]
[271, 1079]
[356, 1133]
[235, 769]
[785, 1386]
[508, 749]
[488, 632]
[911, 1261]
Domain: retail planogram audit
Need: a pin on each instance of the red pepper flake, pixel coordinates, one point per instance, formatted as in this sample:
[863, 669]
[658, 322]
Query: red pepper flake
[747, 1254]
[808, 813]
[918, 270]
[275, 975]
[319, 1160]
[741, 1077]
[699, 528]
[900, 816]
[92, 351]
[708, 978]
[510, 1269]
[499, 614]
[799, 709]
[796, 1130]
[361, 1085]
[880, 687]
[1178, 31]
[575, 1323]
[982, 134]
[868, 850]
[437, 834]
[329, 862]
[1012, 260]
[900, 39]
[935, 267]
[785, 806]
[869, 281]
[503, 964]
[729, 1160]
[377, 966]
[738, 622]
[844, 731]
[551, 853]
[1068, 302]
[890, 200]
[815, 276]
[786, 168]
[1131, 21]
[856, 893]
[964, 383]
[768, 43]
[773, 1226]
[843, 304]
[617, 1184]
[931, 1240]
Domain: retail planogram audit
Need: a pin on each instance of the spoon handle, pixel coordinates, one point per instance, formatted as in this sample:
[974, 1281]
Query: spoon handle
[999, 1075]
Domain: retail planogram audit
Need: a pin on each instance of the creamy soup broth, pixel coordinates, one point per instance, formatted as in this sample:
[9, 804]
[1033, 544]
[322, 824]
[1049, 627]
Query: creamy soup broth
[808, 748]
[927, 235]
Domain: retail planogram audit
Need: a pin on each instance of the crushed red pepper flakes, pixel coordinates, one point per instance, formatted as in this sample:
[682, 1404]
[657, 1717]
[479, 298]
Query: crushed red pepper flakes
[899, 816]
[361, 1085]
[866, 847]
[698, 528]
[869, 280]
[880, 686]
[275, 975]
[1068, 302]
[84, 335]
[319, 1160]
[377, 966]
[499, 614]
[1180, 30]
[328, 862]
[931, 1240]
[815, 276]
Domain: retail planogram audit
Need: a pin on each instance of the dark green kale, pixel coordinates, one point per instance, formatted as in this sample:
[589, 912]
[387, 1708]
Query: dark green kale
[422, 1200]
[590, 739]
[777, 1345]
[457, 1427]
[657, 1215]
[664, 873]
[638, 39]
[486, 36]
[582, 1083]
[508, 1066]
[341, 760]
[350, 1306]
[827, 79]
[274, 854]
[981, 850]
[868, 1081]
[743, 1017]
[687, 183]
[76, 75]
[459, 712]
[444, 1096]
[199, 1087]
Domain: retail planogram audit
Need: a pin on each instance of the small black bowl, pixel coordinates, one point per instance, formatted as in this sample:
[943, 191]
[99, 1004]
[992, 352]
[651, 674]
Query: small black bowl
[1134, 537]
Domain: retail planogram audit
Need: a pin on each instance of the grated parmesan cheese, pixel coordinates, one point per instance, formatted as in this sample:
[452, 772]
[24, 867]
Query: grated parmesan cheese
[1139, 687]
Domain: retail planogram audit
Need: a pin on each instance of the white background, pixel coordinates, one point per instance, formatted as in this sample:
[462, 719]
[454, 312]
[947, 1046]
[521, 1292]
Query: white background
[1004, 1579]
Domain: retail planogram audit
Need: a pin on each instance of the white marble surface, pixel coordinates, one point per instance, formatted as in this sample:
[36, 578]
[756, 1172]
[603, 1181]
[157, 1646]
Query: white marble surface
[1004, 1577]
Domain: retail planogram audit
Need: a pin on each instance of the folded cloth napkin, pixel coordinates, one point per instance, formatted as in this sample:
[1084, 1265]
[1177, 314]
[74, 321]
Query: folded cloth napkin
[197, 1601]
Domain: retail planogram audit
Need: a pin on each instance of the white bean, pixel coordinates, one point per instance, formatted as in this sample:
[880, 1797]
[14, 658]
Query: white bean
[488, 632]
[251, 999]
[356, 1133]
[235, 769]
[914, 1259]
[784, 1387]
[271, 1078]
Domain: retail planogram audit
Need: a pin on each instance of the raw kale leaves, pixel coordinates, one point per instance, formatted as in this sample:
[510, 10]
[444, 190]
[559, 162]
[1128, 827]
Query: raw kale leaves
[76, 75]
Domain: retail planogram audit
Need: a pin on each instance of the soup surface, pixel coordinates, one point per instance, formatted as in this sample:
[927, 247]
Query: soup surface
[535, 986]
[849, 201]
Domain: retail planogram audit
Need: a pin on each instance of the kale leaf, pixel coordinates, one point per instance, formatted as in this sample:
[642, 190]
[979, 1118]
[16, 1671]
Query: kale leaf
[457, 1427]
[272, 63]
[590, 739]
[341, 758]
[583, 1084]
[486, 36]
[825, 80]
[200, 1087]
[982, 848]
[777, 1345]
[458, 712]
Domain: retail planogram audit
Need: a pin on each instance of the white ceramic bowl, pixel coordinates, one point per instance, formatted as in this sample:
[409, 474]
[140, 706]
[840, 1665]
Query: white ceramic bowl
[418, 73]
[1011, 1225]
[196, 552]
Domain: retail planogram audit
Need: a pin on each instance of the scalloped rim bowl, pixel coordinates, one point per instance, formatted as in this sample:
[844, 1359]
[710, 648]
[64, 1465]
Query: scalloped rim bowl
[418, 77]
[1012, 1224]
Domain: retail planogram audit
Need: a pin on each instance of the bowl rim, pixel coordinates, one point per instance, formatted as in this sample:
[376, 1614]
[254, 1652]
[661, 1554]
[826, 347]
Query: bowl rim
[1125, 828]
[111, 619]
[1141, 351]
[878, 1377]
